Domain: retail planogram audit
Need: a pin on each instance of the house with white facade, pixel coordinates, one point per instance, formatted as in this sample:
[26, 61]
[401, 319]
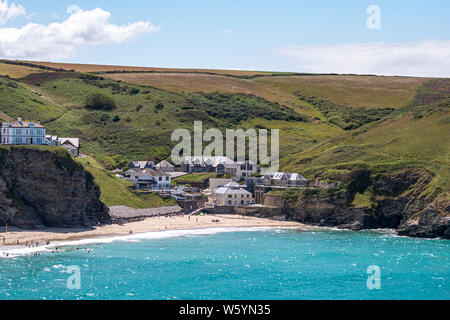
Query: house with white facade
[220, 165]
[232, 194]
[71, 144]
[165, 166]
[284, 179]
[206, 164]
[142, 165]
[150, 179]
[22, 133]
[246, 169]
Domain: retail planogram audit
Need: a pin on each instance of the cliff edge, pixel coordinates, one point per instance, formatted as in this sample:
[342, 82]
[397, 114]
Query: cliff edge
[44, 187]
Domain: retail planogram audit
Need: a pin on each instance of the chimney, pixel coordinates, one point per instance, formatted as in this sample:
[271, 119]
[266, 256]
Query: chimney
[19, 119]
[39, 122]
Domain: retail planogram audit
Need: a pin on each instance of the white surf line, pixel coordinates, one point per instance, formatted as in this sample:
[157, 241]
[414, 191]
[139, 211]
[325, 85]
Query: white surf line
[151, 235]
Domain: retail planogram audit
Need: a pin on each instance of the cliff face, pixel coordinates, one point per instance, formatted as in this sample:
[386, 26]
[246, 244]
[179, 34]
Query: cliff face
[399, 203]
[47, 188]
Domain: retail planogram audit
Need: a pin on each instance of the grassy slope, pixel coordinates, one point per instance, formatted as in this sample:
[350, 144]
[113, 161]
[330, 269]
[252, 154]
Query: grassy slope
[112, 68]
[414, 137]
[15, 71]
[316, 147]
[146, 133]
[115, 191]
[17, 100]
[351, 91]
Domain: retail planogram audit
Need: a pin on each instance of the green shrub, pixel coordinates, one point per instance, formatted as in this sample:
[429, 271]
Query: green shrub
[104, 117]
[99, 101]
[159, 106]
[133, 91]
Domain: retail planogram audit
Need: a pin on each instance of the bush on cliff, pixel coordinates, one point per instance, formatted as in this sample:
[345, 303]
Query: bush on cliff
[99, 101]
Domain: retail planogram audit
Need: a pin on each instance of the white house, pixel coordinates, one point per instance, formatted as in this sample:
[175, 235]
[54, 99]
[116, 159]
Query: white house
[245, 169]
[232, 194]
[165, 166]
[150, 179]
[206, 164]
[217, 183]
[221, 165]
[285, 180]
[22, 132]
[142, 165]
[71, 144]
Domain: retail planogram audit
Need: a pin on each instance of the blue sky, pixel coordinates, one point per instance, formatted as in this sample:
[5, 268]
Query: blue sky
[311, 36]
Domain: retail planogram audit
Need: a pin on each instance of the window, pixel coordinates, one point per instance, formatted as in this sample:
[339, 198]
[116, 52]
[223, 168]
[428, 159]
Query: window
[230, 202]
[230, 196]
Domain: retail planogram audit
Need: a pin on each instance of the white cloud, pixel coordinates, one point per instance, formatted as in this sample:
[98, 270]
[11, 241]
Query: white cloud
[9, 12]
[428, 58]
[62, 39]
[226, 31]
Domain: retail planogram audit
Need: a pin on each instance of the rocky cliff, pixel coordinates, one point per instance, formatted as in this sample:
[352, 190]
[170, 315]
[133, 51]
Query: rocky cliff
[399, 202]
[45, 187]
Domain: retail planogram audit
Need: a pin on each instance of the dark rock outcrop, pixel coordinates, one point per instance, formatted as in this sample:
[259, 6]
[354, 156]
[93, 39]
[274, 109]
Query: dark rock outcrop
[42, 187]
[399, 204]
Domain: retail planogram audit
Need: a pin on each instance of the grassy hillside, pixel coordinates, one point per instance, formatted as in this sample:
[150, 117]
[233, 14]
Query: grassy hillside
[16, 71]
[115, 191]
[328, 123]
[145, 117]
[111, 68]
[416, 136]
[349, 90]
[17, 100]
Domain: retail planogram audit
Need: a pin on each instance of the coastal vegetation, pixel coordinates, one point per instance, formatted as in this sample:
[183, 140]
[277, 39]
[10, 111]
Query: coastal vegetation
[330, 125]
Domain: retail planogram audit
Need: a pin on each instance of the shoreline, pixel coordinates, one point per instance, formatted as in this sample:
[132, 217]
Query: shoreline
[151, 224]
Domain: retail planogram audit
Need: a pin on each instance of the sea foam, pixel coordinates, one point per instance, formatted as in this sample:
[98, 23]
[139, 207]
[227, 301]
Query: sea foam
[153, 235]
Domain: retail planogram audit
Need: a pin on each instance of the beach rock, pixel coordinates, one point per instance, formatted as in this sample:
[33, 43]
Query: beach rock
[45, 187]
[399, 204]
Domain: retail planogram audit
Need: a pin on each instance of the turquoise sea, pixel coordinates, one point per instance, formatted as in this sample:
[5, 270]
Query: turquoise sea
[251, 263]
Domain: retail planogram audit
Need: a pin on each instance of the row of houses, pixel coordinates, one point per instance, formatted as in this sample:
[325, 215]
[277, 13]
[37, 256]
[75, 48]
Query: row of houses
[20, 132]
[220, 165]
[225, 192]
[283, 180]
[164, 166]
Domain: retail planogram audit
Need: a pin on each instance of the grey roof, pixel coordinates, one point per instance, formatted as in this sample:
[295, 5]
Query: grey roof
[165, 163]
[150, 173]
[141, 164]
[211, 161]
[286, 176]
[73, 141]
[22, 124]
[225, 190]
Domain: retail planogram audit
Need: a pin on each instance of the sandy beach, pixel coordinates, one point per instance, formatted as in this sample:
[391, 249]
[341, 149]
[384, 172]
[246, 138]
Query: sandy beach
[19, 237]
